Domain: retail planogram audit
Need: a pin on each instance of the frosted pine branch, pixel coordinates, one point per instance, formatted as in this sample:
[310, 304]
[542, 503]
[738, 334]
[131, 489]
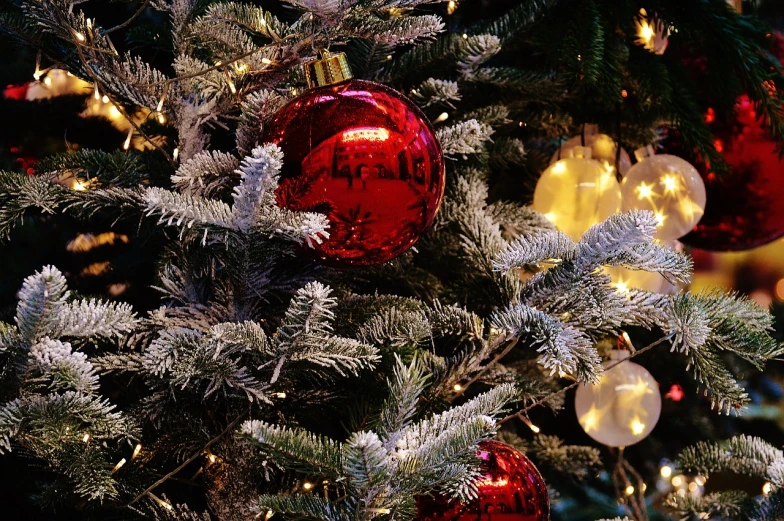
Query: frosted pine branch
[30, 418]
[741, 455]
[436, 92]
[67, 370]
[533, 249]
[307, 506]
[392, 31]
[247, 17]
[296, 447]
[563, 348]
[488, 404]
[187, 210]
[306, 335]
[88, 318]
[206, 173]
[404, 391]
[476, 51]
[258, 174]
[723, 505]
[256, 109]
[41, 299]
[464, 138]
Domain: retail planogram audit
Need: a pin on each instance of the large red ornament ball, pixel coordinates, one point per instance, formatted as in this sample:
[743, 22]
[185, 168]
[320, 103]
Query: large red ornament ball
[511, 489]
[366, 157]
[744, 207]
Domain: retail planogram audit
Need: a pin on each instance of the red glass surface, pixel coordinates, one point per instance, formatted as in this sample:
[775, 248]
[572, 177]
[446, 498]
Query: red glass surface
[743, 207]
[366, 157]
[510, 490]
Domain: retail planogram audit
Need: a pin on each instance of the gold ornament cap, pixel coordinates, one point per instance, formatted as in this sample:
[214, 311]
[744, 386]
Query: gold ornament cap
[327, 69]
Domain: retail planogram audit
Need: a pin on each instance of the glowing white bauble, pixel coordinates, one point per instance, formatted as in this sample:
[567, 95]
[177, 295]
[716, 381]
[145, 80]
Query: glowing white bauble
[603, 149]
[669, 187]
[623, 407]
[577, 192]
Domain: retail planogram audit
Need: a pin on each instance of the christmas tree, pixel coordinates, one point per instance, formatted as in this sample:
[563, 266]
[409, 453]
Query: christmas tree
[352, 293]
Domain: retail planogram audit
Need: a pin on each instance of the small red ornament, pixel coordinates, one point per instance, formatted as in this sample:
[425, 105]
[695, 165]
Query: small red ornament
[18, 92]
[511, 489]
[675, 393]
[744, 207]
[365, 156]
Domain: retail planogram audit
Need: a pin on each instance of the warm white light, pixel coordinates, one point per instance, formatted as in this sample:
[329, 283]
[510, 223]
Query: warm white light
[79, 36]
[665, 471]
[644, 191]
[442, 117]
[265, 61]
[677, 481]
[700, 480]
[307, 486]
[176, 154]
[119, 464]
[136, 450]
[629, 490]
[127, 143]
[767, 488]
[86, 437]
[457, 387]
[96, 94]
[693, 487]
[105, 99]
[280, 395]
[161, 118]
[48, 81]
[637, 426]
[451, 7]
[670, 184]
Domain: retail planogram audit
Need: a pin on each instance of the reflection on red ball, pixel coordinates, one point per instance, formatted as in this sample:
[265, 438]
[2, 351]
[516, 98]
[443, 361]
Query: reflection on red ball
[744, 207]
[511, 489]
[366, 157]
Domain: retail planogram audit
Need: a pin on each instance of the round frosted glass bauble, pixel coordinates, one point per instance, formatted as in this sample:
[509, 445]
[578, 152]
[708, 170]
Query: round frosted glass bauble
[603, 149]
[577, 192]
[668, 186]
[623, 408]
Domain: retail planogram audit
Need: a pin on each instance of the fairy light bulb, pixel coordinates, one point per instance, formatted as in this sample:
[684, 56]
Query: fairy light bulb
[577, 192]
[623, 407]
[603, 149]
[119, 465]
[665, 471]
[669, 187]
[652, 34]
[442, 117]
[127, 142]
[136, 450]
